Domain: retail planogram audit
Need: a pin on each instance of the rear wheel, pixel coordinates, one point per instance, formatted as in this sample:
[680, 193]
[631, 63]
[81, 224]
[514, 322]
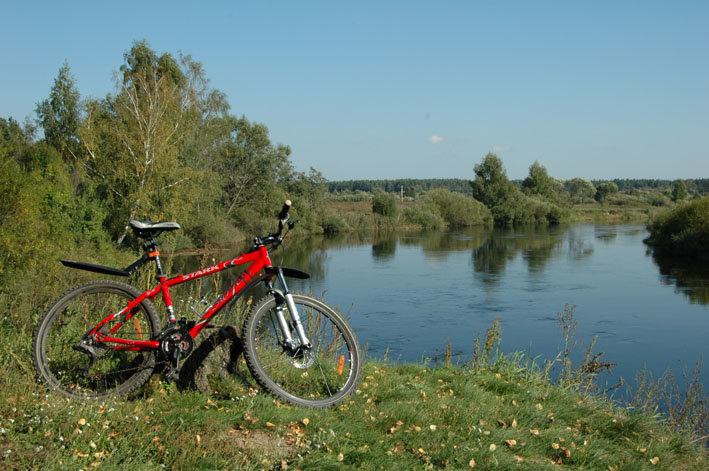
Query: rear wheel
[94, 370]
[322, 375]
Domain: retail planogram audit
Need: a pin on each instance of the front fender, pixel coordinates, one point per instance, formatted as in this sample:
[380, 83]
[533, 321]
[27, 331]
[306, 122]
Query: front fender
[289, 272]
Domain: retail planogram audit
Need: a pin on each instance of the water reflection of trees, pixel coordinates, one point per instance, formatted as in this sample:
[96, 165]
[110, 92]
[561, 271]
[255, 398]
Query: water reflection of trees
[441, 244]
[535, 246]
[607, 234]
[689, 276]
[492, 250]
[384, 247]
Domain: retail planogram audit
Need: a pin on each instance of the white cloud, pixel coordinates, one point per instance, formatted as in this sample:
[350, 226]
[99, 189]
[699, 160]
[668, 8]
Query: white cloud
[435, 139]
[500, 148]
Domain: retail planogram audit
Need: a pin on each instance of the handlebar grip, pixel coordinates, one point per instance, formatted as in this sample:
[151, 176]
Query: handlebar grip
[284, 212]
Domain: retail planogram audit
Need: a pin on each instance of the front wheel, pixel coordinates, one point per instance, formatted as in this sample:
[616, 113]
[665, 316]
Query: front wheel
[322, 375]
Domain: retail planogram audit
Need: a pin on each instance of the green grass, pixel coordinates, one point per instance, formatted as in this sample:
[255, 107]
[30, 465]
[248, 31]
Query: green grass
[405, 416]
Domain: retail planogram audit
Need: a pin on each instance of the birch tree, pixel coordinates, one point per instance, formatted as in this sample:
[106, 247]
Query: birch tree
[134, 138]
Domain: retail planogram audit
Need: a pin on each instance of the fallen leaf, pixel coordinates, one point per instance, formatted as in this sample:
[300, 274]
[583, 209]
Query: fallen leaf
[519, 459]
[269, 424]
[511, 443]
[199, 439]
[340, 457]
[306, 421]
[514, 423]
[432, 427]
[555, 446]
[82, 421]
[655, 460]
[471, 463]
[493, 447]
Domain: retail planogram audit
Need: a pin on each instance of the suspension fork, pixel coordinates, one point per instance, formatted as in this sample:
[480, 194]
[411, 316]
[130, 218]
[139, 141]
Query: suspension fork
[287, 297]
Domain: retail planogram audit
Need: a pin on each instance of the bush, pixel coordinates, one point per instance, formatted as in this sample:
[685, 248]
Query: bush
[423, 215]
[683, 231]
[658, 199]
[384, 204]
[333, 224]
[457, 209]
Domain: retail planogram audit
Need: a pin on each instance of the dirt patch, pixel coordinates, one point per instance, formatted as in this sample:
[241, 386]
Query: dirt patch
[260, 444]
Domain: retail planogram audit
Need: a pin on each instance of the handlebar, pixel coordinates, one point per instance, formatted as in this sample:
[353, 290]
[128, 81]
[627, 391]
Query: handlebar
[275, 238]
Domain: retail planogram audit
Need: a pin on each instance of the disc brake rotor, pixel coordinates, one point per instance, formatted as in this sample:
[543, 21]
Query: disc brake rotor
[302, 358]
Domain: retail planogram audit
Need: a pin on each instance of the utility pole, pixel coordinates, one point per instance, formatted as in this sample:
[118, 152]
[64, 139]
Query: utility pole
[402, 193]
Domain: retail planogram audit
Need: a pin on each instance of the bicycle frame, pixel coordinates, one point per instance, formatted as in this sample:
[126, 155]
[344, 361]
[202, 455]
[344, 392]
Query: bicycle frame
[258, 261]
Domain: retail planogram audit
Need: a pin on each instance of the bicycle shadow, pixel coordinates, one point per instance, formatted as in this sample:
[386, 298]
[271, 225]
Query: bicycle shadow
[217, 361]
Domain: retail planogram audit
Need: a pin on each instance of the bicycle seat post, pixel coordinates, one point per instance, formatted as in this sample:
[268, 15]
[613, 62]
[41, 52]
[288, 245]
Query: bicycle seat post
[151, 248]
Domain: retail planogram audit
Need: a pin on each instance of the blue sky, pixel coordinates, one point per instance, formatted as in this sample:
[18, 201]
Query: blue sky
[394, 89]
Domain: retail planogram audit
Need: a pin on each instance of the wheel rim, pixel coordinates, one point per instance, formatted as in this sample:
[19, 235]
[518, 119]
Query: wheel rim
[70, 370]
[314, 374]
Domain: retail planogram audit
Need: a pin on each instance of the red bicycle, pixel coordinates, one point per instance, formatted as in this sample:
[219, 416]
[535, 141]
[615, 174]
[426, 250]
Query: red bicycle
[102, 338]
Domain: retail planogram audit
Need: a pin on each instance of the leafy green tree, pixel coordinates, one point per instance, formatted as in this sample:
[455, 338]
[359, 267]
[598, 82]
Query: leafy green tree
[384, 204]
[135, 137]
[580, 190]
[249, 164]
[605, 189]
[679, 191]
[59, 115]
[539, 182]
[36, 206]
[14, 139]
[491, 186]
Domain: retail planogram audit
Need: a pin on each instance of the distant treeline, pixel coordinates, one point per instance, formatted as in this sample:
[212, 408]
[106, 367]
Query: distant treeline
[460, 185]
[698, 185]
[409, 185]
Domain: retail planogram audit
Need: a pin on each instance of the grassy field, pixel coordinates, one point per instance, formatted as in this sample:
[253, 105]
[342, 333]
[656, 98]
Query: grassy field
[410, 416]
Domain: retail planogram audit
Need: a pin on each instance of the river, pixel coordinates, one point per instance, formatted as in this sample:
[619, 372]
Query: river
[411, 294]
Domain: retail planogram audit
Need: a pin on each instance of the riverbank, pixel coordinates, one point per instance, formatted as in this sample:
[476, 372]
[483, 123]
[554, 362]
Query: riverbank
[406, 416]
[358, 215]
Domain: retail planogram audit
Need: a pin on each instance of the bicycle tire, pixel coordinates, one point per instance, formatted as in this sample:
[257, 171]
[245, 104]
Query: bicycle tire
[115, 372]
[322, 377]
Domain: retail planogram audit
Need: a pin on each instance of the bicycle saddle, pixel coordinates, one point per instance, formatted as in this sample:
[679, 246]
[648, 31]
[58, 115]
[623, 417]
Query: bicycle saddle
[146, 229]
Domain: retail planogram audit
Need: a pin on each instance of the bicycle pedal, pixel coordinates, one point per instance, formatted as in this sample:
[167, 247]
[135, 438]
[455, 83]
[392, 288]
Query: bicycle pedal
[172, 375]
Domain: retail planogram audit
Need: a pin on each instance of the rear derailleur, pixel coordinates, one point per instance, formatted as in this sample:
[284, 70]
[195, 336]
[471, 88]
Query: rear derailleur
[93, 350]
